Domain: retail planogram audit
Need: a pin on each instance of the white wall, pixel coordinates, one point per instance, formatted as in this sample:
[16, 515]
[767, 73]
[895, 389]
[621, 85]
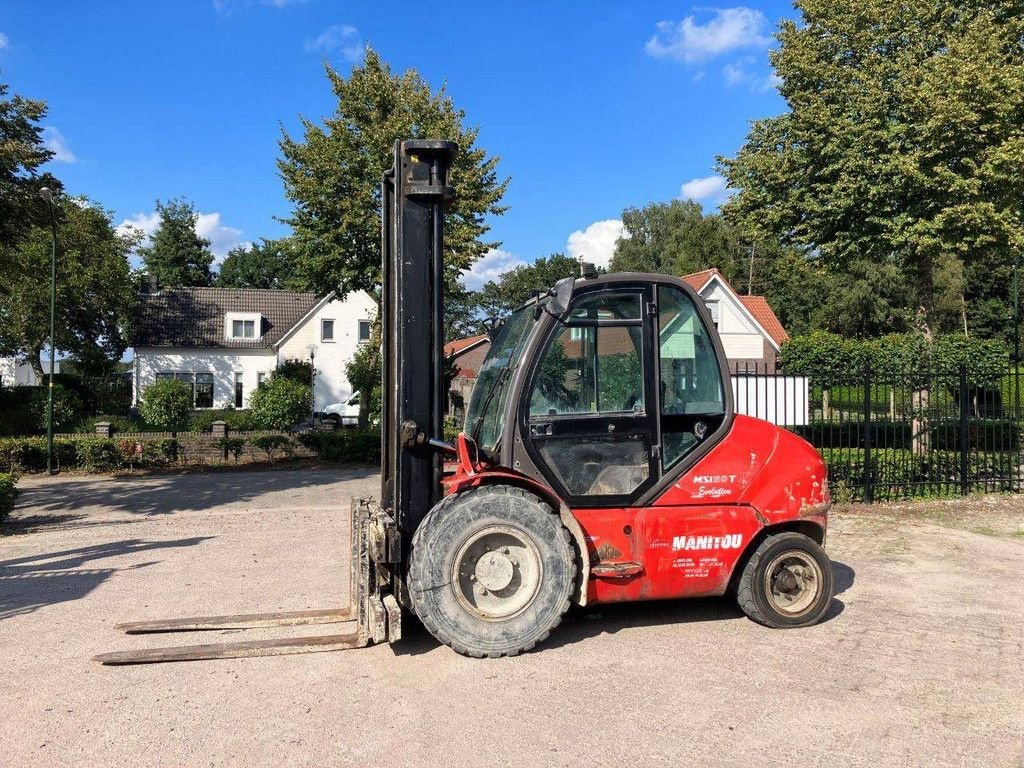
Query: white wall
[740, 337]
[15, 374]
[781, 400]
[222, 363]
[332, 384]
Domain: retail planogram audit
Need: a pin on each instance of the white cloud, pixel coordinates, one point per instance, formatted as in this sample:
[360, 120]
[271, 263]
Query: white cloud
[54, 141]
[710, 188]
[596, 243]
[222, 238]
[689, 41]
[341, 39]
[491, 266]
[5, 41]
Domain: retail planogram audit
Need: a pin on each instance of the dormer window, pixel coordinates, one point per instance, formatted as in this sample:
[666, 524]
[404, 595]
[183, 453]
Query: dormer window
[243, 329]
[242, 326]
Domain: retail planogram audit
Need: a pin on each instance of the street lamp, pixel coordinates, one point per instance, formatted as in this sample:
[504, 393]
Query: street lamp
[47, 195]
[312, 375]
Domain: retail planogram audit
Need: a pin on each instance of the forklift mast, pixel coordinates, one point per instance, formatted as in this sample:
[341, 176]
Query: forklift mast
[414, 194]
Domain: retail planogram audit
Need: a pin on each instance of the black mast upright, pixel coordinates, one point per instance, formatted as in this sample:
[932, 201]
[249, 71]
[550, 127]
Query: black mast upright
[414, 195]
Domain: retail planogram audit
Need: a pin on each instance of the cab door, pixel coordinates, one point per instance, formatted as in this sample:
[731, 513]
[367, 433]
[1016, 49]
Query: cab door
[589, 425]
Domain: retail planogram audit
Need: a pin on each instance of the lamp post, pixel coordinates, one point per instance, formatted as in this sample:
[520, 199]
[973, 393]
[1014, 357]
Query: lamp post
[312, 375]
[47, 195]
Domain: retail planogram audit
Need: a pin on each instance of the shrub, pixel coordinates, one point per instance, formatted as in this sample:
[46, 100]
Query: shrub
[160, 452]
[299, 371]
[99, 454]
[233, 446]
[273, 443]
[349, 445]
[202, 421]
[23, 410]
[28, 454]
[280, 403]
[8, 493]
[167, 404]
[452, 428]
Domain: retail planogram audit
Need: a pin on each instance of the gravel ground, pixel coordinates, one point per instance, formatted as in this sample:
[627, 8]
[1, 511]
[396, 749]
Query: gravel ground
[919, 663]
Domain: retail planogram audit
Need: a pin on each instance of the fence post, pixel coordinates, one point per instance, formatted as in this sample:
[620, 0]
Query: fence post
[965, 481]
[104, 429]
[869, 490]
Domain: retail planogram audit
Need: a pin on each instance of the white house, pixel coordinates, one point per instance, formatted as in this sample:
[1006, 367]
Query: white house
[751, 332]
[225, 341]
[17, 373]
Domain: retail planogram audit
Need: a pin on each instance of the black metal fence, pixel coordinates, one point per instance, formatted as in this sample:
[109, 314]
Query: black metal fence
[887, 436]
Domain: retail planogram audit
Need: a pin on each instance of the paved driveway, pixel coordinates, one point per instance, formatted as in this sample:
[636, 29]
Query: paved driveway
[919, 663]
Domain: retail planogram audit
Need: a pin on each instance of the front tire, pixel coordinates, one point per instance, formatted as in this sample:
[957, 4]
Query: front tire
[787, 582]
[491, 571]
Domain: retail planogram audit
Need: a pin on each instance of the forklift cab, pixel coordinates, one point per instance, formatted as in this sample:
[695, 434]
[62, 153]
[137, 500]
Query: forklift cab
[604, 390]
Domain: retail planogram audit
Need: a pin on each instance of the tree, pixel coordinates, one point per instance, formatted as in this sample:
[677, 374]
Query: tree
[280, 403]
[497, 299]
[333, 175]
[676, 238]
[95, 292]
[177, 255]
[902, 143]
[269, 264]
[22, 152]
[167, 403]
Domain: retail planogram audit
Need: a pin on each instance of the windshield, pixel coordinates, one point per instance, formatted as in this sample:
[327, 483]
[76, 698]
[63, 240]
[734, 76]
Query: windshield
[485, 417]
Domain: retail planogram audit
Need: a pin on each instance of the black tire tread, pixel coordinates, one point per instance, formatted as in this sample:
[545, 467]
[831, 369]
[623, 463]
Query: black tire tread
[417, 576]
[745, 590]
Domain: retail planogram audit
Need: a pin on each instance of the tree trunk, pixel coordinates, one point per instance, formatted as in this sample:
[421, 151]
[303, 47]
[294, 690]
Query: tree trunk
[37, 366]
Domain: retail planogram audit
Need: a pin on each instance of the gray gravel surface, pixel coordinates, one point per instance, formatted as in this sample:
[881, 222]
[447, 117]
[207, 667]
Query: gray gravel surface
[919, 663]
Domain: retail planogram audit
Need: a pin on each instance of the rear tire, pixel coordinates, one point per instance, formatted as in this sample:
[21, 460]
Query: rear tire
[491, 571]
[787, 582]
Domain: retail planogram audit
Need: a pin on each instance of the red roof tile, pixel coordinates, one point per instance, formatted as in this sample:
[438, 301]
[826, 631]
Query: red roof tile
[759, 307]
[461, 345]
[698, 280]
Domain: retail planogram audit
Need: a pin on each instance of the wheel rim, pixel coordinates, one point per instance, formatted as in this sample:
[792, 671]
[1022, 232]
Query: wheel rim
[496, 573]
[792, 583]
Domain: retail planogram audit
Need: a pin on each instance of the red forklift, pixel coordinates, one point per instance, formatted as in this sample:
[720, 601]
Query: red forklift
[601, 461]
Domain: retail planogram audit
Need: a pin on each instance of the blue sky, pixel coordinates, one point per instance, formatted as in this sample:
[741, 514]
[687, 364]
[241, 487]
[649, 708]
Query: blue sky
[592, 107]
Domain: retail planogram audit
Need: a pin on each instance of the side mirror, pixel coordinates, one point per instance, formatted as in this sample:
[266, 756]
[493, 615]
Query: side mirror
[561, 295]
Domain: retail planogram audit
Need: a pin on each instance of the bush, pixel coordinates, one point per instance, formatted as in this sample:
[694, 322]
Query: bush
[28, 454]
[23, 410]
[299, 371]
[270, 444]
[8, 493]
[452, 428]
[240, 421]
[160, 452]
[349, 445]
[280, 403]
[167, 404]
[233, 446]
[99, 454]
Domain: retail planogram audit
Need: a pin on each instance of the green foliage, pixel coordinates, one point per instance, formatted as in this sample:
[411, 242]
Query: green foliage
[280, 403]
[28, 454]
[364, 374]
[901, 149]
[332, 176]
[300, 371]
[95, 291]
[452, 428]
[202, 420]
[23, 410]
[99, 454]
[271, 444]
[22, 153]
[177, 255]
[160, 452]
[8, 494]
[361, 446]
[518, 285]
[167, 403]
[233, 446]
[268, 264]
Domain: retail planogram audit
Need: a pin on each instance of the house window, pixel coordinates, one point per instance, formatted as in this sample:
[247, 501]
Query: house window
[326, 330]
[713, 309]
[239, 392]
[204, 390]
[364, 331]
[260, 378]
[243, 329]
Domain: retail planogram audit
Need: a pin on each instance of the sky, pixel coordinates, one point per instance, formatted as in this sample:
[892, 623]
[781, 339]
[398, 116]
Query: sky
[592, 107]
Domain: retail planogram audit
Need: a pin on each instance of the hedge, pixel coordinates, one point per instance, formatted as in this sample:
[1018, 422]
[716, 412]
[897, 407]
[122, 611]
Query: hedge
[893, 470]
[944, 434]
[8, 493]
[344, 445]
